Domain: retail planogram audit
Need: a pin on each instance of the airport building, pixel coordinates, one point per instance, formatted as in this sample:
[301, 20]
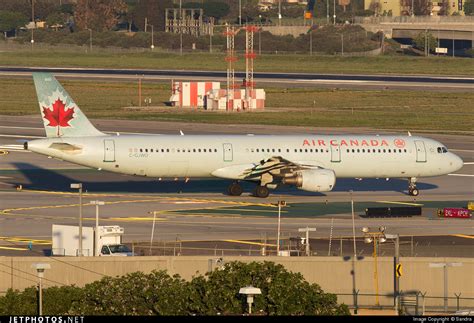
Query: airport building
[398, 8]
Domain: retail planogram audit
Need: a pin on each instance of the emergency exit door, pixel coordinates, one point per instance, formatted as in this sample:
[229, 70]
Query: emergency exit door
[420, 151]
[228, 154]
[109, 150]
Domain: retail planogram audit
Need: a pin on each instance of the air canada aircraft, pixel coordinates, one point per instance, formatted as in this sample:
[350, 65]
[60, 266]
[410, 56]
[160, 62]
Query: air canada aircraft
[309, 162]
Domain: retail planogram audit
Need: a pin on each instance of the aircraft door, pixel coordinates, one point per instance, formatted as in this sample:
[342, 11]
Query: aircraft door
[335, 154]
[420, 151]
[228, 154]
[109, 150]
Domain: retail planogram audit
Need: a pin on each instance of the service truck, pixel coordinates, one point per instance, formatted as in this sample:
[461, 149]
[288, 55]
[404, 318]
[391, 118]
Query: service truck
[109, 241]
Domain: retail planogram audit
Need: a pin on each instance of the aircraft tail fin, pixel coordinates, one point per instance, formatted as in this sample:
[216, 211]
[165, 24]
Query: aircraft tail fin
[61, 115]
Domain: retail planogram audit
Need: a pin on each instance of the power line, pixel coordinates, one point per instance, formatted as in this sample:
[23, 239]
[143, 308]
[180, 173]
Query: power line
[25, 272]
[61, 261]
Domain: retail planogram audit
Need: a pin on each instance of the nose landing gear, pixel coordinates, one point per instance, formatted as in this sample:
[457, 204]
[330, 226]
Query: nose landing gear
[412, 190]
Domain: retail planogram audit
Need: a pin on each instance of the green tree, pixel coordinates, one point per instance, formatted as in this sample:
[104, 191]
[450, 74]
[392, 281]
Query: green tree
[425, 39]
[10, 20]
[56, 301]
[283, 292]
[469, 7]
[98, 15]
[153, 11]
[134, 294]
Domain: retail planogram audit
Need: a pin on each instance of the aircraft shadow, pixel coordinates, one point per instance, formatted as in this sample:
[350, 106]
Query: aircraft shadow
[34, 177]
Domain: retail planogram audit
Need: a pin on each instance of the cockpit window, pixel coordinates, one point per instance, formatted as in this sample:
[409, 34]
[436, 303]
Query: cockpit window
[442, 150]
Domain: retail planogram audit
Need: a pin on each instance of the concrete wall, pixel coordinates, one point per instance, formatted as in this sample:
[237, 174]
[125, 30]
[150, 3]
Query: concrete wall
[331, 273]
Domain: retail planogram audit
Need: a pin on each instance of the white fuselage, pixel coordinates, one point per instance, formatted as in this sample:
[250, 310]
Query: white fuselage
[350, 156]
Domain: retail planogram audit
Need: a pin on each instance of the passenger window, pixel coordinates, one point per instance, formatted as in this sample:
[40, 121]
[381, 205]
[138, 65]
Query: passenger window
[273, 150]
[206, 150]
[287, 150]
[279, 150]
[194, 150]
[306, 150]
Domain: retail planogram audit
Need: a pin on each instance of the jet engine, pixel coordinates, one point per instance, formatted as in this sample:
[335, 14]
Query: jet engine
[312, 180]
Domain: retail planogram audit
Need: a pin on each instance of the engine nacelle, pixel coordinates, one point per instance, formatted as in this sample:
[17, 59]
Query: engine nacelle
[313, 180]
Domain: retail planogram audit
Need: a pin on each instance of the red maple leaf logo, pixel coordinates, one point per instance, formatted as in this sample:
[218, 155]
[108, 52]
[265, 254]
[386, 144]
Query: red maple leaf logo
[400, 143]
[58, 116]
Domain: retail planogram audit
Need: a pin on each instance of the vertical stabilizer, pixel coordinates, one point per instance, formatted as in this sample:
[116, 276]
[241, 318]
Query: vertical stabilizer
[61, 115]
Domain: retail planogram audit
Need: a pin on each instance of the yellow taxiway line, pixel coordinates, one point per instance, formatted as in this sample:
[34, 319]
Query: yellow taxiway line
[401, 203]
[251, 243]
[13, 248]
[463, 236]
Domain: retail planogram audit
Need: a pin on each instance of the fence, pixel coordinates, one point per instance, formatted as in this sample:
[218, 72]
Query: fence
[416, 20]
[409, 303]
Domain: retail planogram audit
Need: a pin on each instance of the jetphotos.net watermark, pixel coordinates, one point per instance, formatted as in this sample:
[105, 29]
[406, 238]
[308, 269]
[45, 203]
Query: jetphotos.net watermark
[46, 319]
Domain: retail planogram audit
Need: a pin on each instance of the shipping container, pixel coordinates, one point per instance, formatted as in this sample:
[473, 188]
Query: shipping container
[452, 212]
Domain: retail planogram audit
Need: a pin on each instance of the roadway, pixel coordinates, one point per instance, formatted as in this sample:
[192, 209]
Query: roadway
[422, 82]
[198, 210]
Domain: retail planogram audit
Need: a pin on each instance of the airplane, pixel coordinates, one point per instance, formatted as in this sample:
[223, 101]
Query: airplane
[310, 162]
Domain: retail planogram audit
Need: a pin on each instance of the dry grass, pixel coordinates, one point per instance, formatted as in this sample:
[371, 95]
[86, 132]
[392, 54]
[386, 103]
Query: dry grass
[388, 109]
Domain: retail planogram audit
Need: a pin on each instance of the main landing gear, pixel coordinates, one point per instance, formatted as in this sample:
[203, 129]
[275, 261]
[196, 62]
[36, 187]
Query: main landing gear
[261, 191]
[412, 190]
[235, 189]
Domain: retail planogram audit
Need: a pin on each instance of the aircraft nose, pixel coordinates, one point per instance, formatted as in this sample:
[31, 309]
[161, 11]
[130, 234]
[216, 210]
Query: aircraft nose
[457, 163]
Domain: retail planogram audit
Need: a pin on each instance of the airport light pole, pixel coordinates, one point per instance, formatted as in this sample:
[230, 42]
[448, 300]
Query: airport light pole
[79, 187]
[33, 21]
[279, 12]
[280, 204]
[307, 230]
[90, 40]
[96, 236]
[396, 260]
[40, 268]
[376, 237]
[353, 224]
[180, 28]
[152, 229]
[445, 266]
[240, 12]
[334, 15]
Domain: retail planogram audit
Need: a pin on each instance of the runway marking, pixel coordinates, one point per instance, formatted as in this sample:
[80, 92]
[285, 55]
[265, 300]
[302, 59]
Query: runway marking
[461, 175]
[13, 248]
[463, 236]
[25, 240]
[403, 203]
[130, 219]
[251, 243]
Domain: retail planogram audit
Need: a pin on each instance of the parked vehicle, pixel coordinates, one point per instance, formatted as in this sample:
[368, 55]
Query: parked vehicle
[109, 241]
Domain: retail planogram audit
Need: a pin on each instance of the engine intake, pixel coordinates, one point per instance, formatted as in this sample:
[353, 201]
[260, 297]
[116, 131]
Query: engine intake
[313, 180]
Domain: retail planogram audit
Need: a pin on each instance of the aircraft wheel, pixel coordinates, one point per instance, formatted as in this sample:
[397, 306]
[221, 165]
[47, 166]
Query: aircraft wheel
[413, 191]
[235, 189]
[261, 191]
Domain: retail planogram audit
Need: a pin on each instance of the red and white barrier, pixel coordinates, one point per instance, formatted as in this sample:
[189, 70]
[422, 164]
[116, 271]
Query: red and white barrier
[191, 94]
[217, 100]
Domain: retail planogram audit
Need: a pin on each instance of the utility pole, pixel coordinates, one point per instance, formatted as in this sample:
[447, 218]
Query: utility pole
[33, 21]
[180, 28]
[280, 204]
[279, 12]
[90, 40]
[96, 242]
[353, 224]
[79, 186]
[334, 15]
[327, 12]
